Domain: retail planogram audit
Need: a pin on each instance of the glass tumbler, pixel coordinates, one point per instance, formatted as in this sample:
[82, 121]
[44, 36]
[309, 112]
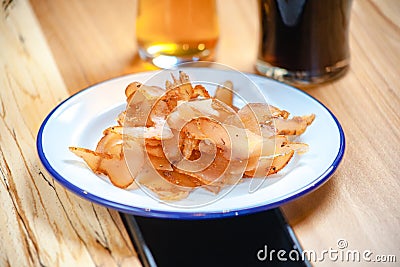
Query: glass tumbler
[304, 42]
[170, 32]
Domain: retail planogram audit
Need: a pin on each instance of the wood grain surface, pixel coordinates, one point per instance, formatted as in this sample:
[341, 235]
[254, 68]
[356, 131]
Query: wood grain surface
[41, 223]
[91, 41]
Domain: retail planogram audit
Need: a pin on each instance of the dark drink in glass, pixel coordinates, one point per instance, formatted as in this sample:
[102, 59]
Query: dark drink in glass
[304, 41]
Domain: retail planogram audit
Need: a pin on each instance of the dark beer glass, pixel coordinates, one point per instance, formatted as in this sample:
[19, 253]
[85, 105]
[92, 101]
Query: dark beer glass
[304, 42]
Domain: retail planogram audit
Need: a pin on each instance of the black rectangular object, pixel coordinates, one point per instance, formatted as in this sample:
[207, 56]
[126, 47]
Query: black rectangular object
[214, 242]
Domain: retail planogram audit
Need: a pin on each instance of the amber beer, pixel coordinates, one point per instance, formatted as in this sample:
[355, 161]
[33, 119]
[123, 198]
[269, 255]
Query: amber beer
[173, 31]
[304, 41]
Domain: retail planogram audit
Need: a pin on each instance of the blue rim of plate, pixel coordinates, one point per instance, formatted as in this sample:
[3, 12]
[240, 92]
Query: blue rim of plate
[188, 215]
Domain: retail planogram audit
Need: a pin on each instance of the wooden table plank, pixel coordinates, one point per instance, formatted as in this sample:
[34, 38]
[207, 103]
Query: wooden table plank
[42, 223]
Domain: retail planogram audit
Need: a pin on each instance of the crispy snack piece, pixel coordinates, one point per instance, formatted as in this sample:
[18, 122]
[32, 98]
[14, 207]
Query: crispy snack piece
[269, 166]
[159, 183]
[110, 165]
[294, 126]
[224, 93]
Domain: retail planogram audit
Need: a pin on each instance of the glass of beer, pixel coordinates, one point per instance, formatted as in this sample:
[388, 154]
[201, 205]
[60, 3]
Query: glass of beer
[170, 32]
[304, 42]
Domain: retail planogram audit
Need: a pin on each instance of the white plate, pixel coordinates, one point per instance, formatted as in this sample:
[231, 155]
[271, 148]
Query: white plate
[80, 120]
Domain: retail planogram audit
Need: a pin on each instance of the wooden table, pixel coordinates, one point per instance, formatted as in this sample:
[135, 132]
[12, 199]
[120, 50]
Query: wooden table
[52, 49]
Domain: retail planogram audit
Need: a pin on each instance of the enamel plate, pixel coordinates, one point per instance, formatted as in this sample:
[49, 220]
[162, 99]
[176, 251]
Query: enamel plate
[81, 119]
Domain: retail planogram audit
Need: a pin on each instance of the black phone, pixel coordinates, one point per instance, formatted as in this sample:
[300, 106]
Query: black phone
[259, 239]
